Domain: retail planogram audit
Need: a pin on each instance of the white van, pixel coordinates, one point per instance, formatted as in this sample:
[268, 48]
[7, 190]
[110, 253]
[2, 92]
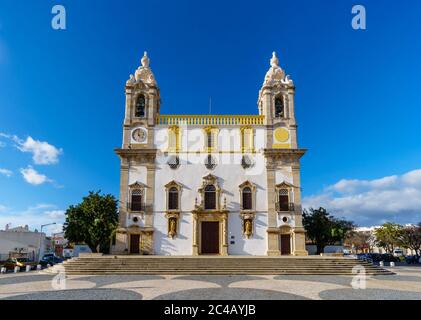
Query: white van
[81, 248]
[398, 252]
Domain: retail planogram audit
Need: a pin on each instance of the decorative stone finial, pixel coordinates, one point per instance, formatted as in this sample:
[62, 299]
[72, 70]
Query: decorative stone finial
[144, 73]
[145, 60]
[274, 61]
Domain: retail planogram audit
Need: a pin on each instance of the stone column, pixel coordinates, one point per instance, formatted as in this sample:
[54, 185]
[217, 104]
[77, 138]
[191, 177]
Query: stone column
[124, 183]
[299, 248]
[150, 194]
[273, 231]
[224, 235]
[195, 250]
[292, 123]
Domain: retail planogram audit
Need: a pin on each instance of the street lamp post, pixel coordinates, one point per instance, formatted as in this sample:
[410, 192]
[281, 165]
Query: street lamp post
[40, 236]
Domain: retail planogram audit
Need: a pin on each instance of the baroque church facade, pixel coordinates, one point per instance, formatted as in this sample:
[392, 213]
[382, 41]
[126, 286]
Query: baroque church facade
[210, 184]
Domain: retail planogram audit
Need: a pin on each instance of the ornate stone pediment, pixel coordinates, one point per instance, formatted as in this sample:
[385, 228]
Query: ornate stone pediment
[173, 183]
[247, 183]
[137, 185]
[285, 184]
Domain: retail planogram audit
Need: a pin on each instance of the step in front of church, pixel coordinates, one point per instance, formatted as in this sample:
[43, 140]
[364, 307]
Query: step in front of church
[215, 265]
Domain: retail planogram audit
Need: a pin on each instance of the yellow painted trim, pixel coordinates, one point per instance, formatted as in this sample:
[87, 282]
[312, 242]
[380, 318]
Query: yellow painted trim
[249, 147]
[281, 146]
[210, 120]
[215, 133]
[175, 130]
[281, 135]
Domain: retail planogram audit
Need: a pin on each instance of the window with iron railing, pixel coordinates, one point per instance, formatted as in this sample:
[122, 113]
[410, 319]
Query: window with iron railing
[284, 203]
[136, 201]
[284, 207]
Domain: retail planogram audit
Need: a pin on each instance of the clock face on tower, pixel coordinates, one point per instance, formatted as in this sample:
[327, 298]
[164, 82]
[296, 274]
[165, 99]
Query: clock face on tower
[139, 135]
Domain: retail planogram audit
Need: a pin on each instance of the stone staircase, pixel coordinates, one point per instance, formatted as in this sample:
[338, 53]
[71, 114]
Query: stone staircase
[213, 265]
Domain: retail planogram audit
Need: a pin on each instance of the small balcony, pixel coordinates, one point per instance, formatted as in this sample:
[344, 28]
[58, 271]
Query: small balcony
[135, 207]
[284, 206]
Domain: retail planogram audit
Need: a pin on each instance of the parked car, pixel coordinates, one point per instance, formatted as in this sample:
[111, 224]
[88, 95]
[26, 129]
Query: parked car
[388, 257]
[412, 259]
[370, 257]
[11, 263]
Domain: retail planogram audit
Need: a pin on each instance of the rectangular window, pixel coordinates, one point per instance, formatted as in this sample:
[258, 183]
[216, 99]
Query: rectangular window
[136, 204]
[173, 200]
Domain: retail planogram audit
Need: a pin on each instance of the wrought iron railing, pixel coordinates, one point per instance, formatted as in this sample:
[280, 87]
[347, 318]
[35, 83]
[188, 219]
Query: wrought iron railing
[135, 206]
[284, 207]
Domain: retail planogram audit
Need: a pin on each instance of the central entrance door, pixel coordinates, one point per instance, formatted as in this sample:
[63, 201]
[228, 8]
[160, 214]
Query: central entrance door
[134, 243]
[210, 237]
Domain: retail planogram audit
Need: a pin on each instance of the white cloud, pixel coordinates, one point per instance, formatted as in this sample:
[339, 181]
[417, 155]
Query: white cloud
[55, 214]
[42, 151]
[369, 202]
[6, 172]
[34, 217]
[33, 177]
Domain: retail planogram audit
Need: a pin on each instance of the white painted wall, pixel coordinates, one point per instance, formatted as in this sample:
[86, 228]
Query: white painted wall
[28, 241]
[181, 244]
[190, 173]
[256, 244]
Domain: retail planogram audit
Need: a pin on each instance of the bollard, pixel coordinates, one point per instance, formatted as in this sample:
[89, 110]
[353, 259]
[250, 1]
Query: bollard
[392, 264]
[38, 267]
[16, 269]
[381, 264]
[27, 268]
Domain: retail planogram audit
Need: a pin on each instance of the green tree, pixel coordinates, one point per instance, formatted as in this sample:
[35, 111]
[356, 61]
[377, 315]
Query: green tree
[93, 221]
[410, 238]
[388, 236]
[323, 229]
[359, 240]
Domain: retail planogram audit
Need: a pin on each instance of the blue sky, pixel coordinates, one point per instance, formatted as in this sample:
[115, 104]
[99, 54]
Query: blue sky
[357, 98]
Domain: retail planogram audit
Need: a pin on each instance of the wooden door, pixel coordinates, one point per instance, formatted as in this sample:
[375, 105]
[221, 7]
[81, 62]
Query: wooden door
[134, 243]
[210, 237]
[285, 244]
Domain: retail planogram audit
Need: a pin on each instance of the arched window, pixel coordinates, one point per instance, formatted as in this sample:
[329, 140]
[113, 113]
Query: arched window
[140, 107]
[279, 107]
[210, 197]
[247, 202]
[136, 203]
[173, 199]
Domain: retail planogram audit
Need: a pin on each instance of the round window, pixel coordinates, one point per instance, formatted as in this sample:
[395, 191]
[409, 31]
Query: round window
[246, 162]
[210, 162]
[174, 162]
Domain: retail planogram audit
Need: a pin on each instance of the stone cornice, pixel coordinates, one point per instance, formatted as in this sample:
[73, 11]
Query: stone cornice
[146, 155]
[297, 153]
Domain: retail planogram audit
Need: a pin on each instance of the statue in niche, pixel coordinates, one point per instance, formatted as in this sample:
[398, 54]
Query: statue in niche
[248, 228]
[172, 227]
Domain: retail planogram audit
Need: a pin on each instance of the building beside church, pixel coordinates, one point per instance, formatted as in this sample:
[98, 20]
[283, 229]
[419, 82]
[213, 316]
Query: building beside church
[210, 184]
